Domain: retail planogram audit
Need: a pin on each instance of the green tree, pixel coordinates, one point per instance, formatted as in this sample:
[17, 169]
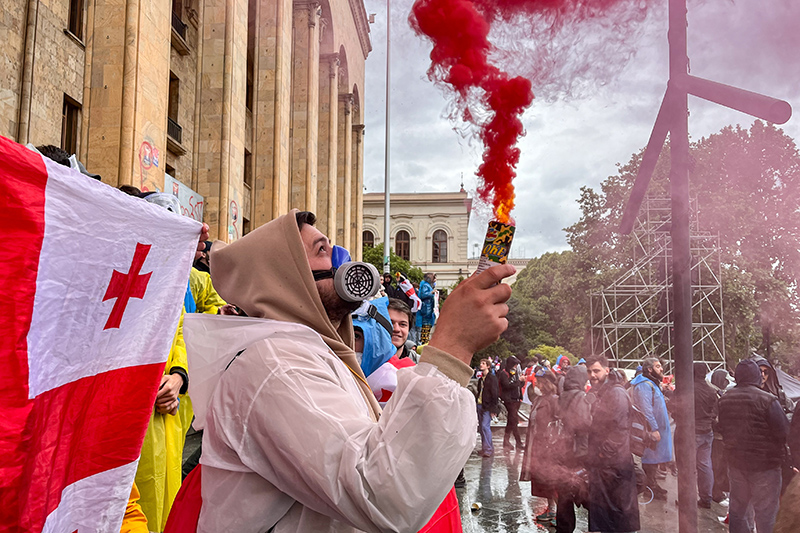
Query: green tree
[551, 353]
[374, 255]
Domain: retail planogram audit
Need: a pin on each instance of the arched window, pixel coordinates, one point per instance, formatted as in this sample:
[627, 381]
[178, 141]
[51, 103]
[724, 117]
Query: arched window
[439, 246]
[402, 245]
[368, 238]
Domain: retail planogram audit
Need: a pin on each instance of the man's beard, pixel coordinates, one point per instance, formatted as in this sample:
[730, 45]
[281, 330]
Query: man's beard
[657, 377]
[336, 308]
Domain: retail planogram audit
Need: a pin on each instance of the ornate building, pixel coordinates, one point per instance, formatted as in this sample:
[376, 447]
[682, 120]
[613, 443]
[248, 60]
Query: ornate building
[431, 230]
[255, 107]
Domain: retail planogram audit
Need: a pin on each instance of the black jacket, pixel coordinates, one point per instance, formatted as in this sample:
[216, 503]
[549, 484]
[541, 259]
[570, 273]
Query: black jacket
[609, 434]
[487, 391]
[752, 423]
[576, 413]
[705, 405]
[510, 382]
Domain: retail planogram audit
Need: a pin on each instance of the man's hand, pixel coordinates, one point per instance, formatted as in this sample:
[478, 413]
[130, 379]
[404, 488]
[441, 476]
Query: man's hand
[167, 397]
[227, 309]
[474, 315]
[201, 244]
[656, 436]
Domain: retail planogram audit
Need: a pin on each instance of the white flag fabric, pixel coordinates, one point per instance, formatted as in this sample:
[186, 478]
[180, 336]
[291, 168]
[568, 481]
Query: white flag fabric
[93, 282]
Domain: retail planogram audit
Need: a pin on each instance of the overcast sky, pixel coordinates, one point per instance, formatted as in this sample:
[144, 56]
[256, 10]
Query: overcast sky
[574, 140]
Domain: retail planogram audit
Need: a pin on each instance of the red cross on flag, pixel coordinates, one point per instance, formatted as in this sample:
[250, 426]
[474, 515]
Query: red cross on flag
[92, 286]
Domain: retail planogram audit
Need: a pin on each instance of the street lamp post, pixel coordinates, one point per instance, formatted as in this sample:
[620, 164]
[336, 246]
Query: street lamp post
[386, 218]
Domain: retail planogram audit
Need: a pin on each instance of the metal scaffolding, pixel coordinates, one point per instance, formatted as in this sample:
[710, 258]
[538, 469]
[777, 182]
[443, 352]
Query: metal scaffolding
[633, 317]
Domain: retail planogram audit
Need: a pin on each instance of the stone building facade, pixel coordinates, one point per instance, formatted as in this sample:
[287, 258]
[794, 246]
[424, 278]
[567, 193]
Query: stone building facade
[256, 106]
[431, 230]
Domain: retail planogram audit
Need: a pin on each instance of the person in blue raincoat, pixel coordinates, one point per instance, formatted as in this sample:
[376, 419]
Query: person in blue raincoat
[374, 328]
[425, 317]
[648, 398]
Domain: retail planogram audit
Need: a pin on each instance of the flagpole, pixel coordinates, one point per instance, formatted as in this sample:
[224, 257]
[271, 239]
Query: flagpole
[386, 218]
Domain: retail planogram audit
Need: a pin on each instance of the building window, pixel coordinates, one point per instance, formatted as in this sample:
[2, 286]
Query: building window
[439, 246]
[368, 238]
[248, 169]
[170, 171]
[402, 245]
[76, 18]
[174, 129]
[174, 96]
[69, 125]
[245, 226]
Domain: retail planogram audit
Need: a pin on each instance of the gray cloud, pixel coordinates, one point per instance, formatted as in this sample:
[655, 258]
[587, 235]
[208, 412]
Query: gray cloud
[575, 141]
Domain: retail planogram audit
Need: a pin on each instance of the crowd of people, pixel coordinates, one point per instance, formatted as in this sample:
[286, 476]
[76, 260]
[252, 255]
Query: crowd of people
[581, 443]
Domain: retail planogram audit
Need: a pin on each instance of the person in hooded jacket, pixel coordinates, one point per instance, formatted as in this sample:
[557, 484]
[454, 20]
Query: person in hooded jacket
[426, 318]
[754, 430]
[720, 383]
[294, 437]
[705, 417]
[648, 398]
[771, 384]
[576, 415]
[542, 462]
[511, 396]
[613, 505]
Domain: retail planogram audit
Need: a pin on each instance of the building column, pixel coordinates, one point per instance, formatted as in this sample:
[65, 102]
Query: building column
[358, 189]
[305, 104]
[127, 101]
[345, 168]
[272, 88]
[328, 143]
[222, 121]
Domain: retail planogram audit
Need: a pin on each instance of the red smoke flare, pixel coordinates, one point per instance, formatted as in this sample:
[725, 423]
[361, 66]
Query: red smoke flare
[460, 58]
[487, 96]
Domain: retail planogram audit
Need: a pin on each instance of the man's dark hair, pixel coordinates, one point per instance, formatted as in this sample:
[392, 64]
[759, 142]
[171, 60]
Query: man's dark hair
[592, 359]
[55, 153]
[130, 189]
[429, 277]
[401, 306]
[305, 217]
[649, 363]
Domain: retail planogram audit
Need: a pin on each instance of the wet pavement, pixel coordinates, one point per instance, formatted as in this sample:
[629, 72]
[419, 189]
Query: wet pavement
[508, 507]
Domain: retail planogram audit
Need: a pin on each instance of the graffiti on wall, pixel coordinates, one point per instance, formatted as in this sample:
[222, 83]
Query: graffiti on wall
[148, 158]
[191, 202]
[233, 230]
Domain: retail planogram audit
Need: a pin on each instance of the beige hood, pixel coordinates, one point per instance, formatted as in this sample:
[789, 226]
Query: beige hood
[266, 274]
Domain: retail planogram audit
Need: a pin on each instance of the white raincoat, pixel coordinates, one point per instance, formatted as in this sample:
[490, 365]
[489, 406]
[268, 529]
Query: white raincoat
[289, 440]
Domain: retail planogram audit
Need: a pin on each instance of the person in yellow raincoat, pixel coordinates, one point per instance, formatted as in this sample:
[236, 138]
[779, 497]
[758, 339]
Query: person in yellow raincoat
[205, 297]
[158, 477]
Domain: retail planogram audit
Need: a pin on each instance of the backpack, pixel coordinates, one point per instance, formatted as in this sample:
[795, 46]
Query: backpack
[640, 432]
[640, 438]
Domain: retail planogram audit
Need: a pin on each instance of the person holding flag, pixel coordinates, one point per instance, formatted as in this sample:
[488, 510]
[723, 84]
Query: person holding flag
[86, 339]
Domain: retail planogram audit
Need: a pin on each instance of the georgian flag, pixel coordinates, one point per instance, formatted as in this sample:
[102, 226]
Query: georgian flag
[408, 288]
[383, 381]
[92, 284]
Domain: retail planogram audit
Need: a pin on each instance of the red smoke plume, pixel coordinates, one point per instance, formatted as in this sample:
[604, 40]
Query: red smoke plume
[487, 96]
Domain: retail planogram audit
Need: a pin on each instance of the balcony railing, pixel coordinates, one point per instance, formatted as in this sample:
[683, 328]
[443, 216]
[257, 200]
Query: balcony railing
[174, 130]
[179, 25]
